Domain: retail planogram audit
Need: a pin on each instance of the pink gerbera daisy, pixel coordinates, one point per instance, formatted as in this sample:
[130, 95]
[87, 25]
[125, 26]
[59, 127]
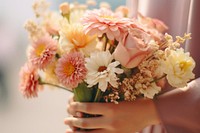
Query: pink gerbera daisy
[29, 83]
[43, 52]
[71, 69]
[105, 21]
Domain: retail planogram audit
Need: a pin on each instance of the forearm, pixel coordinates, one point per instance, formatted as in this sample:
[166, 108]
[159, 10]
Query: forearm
[179, 108]
[152, 115]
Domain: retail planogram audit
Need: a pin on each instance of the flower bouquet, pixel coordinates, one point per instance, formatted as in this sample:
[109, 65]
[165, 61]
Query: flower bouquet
[102, 55]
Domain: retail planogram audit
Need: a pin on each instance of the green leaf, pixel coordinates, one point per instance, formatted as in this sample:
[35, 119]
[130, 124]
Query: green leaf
[82, 93]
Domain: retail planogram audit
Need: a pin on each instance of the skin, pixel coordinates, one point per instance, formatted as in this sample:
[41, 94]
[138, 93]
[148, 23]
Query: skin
[134, 116]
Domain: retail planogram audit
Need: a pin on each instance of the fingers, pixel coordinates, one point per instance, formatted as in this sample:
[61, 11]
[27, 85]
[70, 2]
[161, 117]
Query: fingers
[71, 111]
[86, 123]
[74, 113]
[69, 131]
[72, 128]
[92, 108]
[98, 131]
[71, 99]
[92, 131]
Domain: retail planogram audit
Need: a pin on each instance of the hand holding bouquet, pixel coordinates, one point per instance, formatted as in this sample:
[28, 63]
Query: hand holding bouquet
[102, 55]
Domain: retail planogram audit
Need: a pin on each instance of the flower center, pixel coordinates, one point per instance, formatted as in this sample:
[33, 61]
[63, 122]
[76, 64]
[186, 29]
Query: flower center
[39, 50]
[102, 68]
[76, 36]
[108, 17]
[69, 69]
[184, 65]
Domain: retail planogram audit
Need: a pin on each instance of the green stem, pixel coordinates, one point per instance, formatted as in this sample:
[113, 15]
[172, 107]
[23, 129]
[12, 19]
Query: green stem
[155, 80]
[67, 16]
[113, 46]
[105, 45]
[50, 84]
[96, 99]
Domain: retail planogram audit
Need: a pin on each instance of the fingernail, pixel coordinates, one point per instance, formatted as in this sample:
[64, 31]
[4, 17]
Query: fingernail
[78, 114]
[66, 121]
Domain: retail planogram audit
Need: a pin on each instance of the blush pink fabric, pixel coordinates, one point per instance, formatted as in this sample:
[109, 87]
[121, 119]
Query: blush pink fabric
[179, 110]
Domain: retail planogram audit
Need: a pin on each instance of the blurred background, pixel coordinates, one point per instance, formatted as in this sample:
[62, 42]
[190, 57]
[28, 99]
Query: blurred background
[46, 113]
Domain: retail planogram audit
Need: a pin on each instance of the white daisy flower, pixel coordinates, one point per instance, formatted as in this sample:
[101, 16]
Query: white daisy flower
[101, 70]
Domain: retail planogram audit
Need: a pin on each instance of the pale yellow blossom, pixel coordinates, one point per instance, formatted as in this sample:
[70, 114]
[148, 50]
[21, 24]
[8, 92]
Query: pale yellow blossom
[49, 74]
[91, 2]
[64, 8]
[72, 37]
[178, 66]
[35, 30]
[151, 90]
[105, 5]
[40, 7]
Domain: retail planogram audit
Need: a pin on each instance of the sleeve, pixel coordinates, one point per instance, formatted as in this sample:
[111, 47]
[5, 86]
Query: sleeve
[179, 109]
[193, 46]
[174, 13]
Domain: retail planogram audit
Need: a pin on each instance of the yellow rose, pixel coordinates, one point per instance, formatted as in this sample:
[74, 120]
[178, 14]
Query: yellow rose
[178, 66]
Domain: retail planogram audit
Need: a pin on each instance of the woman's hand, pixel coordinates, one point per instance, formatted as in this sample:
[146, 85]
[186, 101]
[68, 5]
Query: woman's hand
[125, 117]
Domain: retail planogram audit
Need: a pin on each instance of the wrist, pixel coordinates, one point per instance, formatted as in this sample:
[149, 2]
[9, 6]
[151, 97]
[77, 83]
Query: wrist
[153, 115]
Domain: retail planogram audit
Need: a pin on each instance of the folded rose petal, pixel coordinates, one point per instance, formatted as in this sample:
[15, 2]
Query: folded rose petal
[133, 48]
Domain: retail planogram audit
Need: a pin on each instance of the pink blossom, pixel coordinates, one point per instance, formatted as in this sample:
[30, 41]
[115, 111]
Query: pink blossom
[52, 29]
[43, 51]
[105, 21]
[71, 69]
[29, 83]
[153, 26]
[152, 23]
[159, 25]
[133, 48]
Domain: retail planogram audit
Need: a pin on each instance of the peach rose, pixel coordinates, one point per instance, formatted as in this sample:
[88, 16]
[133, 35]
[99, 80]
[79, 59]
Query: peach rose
[133, 48]
[160, 26]
[152, 23]
[152, 26]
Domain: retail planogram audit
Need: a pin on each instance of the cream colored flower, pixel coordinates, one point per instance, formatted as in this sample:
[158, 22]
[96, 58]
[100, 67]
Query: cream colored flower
[122, 10]
[64, 8]
[40, 7]
[91, 2]
[151, 90]
[35, 30]
[105, 5]
[76, 13]
[72, 37]
[101, 70]
[178, 66]
[50, 75]
[51, 22]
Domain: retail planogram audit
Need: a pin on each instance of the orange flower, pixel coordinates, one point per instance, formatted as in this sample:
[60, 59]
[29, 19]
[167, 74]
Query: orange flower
[73, 38]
